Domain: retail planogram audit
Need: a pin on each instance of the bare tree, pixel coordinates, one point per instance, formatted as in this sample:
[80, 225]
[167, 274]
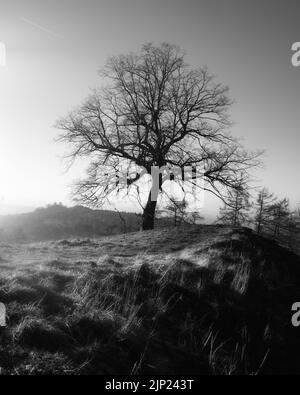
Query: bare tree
[263, 206]
[194, 217]
[155, 112]
[177, 209]
[274, 218]
[296, 217]
[236, 211]
[279, 218]
[293, 231]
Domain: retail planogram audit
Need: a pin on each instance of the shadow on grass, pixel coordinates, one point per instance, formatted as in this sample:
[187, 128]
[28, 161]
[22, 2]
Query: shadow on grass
[230, 317]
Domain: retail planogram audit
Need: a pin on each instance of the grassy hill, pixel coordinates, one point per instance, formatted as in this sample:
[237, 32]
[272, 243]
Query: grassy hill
[194, 299]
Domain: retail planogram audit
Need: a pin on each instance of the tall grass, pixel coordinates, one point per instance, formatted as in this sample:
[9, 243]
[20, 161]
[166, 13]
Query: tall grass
[229, 316]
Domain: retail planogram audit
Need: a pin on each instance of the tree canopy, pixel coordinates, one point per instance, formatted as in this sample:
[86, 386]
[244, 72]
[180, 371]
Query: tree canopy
[154, 111]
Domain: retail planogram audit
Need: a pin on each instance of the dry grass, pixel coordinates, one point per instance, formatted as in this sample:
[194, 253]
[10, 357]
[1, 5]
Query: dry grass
[195, 300]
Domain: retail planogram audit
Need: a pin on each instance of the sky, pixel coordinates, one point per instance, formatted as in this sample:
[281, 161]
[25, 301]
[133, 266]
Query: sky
[54, 50]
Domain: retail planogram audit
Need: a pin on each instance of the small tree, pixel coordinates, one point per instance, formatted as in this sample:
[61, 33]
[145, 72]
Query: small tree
[263, 206]
[194, 217]
[279, 218]
[236, 211]
[294, 230]
[296, 218]
[177, 209]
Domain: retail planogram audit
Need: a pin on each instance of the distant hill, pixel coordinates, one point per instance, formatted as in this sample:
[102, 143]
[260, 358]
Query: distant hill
[57, 222]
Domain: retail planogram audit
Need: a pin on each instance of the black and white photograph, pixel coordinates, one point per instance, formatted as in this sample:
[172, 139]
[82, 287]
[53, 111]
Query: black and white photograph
[149, 190]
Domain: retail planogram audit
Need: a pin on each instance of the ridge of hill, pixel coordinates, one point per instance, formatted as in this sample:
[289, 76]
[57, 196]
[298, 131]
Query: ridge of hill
[193, 299]
[56, 222]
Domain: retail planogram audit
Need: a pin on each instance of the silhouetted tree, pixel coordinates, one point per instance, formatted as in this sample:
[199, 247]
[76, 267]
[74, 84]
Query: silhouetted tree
[296, 217]
[262, 207]
[194, 217]
[294, 231]
[177, 209]
[291, 234]
[279, 217]
[155, 112]
[236, 211]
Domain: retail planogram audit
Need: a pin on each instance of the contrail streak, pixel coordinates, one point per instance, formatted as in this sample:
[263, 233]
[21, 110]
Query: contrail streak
[41, 27]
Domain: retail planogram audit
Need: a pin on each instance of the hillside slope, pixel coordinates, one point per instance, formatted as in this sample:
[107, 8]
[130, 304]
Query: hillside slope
[197, 299]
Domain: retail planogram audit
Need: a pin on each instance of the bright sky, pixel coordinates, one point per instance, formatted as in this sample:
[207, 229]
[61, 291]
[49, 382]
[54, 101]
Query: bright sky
[54, 49]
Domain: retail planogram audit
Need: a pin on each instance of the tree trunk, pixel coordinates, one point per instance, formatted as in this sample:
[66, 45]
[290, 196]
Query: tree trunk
[258, 228]
[149, 213]
[260, 217]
